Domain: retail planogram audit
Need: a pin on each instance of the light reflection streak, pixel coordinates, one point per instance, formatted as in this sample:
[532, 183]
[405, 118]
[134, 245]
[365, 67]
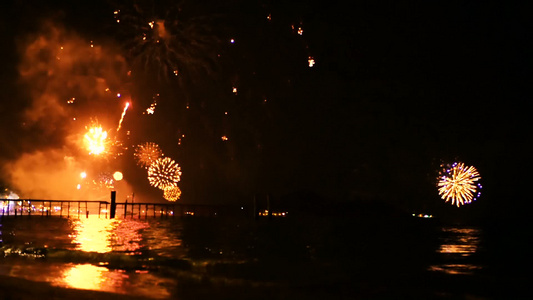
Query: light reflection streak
[88, 277]
[103, 235]
[457, 245]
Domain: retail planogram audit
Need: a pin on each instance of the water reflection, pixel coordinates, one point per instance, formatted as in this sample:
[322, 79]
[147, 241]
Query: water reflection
[90, 277]
[457, 245]
[100, 235]
[94, 253]
[87, 277]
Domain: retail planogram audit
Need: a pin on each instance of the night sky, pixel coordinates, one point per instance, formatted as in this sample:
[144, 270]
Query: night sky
[397, 88]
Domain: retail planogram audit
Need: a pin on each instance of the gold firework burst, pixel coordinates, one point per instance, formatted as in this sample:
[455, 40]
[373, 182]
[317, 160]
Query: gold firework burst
[459, 184]
[172, 193]
[164, 173]
[147, 153]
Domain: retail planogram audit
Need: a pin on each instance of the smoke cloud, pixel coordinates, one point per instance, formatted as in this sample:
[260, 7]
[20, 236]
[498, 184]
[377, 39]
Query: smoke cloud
[71, 83]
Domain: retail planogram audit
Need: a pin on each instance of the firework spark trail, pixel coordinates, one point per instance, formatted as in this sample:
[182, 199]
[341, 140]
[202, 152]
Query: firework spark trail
[123, 114]
[458, 184]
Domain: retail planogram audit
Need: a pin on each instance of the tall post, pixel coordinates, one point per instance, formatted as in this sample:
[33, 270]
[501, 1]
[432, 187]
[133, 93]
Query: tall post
[126, 209]
[268, 207]
[113, 204]
[254, 210]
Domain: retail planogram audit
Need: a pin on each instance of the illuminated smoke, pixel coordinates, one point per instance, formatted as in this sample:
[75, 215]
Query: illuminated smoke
[67, 79]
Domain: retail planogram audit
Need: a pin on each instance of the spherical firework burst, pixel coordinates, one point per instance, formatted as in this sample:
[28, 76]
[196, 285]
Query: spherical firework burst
[172, 193]
[147, 153]
[164, 173]
[459, 184]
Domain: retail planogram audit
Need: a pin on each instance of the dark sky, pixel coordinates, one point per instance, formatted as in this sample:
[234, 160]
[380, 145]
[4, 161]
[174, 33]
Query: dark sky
[397, 88]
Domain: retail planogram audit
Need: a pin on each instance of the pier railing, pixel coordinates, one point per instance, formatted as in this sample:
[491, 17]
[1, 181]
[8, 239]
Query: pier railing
[111, 209]
[104, 209]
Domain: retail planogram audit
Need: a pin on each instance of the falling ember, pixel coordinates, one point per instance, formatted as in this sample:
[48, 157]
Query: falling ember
[224, 138]
[164, 173]
[459, 183]
[123, 114]
[150, 110]
[235, 90]
[96, 140]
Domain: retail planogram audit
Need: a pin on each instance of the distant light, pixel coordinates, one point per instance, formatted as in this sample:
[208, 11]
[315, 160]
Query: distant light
[311, 61]
[83, 175]
[232, 41]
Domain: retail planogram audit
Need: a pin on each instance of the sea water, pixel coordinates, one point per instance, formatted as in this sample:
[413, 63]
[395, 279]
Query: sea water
[296, 258]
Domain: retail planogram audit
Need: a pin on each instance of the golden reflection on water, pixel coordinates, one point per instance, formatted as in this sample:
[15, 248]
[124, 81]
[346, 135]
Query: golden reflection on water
[102, 235]
[462, 241]
[92, 234]
[457, 245]
[86, 276]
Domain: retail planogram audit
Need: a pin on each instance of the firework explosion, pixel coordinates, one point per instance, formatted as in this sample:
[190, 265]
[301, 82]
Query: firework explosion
[460, 184]
[147, 153]
[96, 140]
[73, 79]
[165, 39]
[164, 173]
[172, 193]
